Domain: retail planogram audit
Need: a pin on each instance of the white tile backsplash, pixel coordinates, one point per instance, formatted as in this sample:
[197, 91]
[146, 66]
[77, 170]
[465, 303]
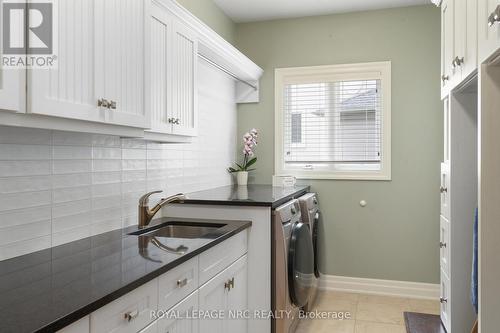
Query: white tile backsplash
[56, 186]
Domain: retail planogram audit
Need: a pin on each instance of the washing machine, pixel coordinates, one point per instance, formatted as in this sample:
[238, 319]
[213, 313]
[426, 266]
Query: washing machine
[292, 269]
[311, 216]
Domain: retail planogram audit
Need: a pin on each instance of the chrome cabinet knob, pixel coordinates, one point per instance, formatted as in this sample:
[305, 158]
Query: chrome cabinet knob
[445, 77]
[177, 121]
[494, 16]
[443, 189]
[103, 103]
[112, 105]
[443, 300]
[457, 62]
[442, 245]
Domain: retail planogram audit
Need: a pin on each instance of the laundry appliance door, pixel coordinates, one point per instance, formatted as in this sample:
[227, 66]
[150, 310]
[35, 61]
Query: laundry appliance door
[300, 266]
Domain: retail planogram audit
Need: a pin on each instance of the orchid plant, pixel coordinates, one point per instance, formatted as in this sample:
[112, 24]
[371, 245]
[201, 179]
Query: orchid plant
[249, 144]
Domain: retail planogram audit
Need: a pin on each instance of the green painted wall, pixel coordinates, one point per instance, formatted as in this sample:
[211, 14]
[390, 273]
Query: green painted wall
[213, 16]
[396, 236]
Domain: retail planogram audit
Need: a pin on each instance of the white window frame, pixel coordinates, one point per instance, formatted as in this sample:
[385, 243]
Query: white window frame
[359, 71]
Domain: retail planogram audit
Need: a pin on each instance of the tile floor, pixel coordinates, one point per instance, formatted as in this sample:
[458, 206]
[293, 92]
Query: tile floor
[369, 313]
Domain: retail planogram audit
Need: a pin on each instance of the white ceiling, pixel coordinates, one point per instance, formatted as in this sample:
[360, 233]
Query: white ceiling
[260, 10]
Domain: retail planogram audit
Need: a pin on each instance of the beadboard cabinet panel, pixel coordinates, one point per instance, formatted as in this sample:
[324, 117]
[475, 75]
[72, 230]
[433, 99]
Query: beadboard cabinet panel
[488, 28]
[185, 64]
[101, 56]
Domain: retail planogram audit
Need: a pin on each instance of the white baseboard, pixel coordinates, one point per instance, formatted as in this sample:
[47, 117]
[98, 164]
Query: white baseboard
[380, 287]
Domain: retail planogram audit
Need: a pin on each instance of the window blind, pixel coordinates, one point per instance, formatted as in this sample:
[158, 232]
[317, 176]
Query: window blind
[332, 123]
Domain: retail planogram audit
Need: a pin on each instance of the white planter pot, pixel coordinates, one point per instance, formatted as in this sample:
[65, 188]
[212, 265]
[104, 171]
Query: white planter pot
[242, 178]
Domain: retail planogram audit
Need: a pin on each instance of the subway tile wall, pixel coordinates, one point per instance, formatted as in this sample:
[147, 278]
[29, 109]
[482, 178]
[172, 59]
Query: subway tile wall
[56, 187]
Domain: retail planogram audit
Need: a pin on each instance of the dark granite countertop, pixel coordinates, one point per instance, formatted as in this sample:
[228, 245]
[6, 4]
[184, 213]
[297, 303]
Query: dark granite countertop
[47, 290]
[251, 195]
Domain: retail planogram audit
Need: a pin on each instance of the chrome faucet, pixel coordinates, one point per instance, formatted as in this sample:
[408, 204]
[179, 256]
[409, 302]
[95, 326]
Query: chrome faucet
[146, 214]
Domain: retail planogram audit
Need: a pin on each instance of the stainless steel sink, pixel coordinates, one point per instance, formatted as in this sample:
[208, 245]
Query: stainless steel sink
[179, 230]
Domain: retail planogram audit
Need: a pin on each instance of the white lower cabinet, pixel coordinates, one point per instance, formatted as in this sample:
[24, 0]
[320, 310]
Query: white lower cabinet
[226, 293]
[182, 318]
[172, 302]
[445, 300]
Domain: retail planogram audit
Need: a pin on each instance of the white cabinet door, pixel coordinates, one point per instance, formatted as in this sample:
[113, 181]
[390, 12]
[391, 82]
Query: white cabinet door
[469, 44]
[445, 190]
[12, 90]
[183, 317]
[237, 297]
[161, 70]
[68, 90]
[447, 46]
[121, 53]
[227, 292]
[12, 82]
[445, 300]
[184, 88]
[488, 29]
[444, 244]
[101, 55]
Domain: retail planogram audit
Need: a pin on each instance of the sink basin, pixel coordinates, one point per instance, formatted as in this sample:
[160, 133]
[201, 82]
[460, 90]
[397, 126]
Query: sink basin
[179, 230]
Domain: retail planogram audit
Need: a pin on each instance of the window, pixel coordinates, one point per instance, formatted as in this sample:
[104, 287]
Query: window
[333, 122]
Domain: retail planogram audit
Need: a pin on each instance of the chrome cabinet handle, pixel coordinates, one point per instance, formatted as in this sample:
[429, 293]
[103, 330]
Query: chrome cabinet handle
[445, 77]
[443, 300]
[494, 16]
[103, 103]
[229, 284]
[175, 121]
[131, 315]
[457, 62]
[441, 245]
[182, 283]
[443, 189]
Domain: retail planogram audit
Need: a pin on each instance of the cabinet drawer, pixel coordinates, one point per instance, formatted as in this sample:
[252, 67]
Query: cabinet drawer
[80, 326]
[129, 313]
[444, 244]
[183, 321]
[177, 284]
[222, 255]
[445, 300]
[445, 190]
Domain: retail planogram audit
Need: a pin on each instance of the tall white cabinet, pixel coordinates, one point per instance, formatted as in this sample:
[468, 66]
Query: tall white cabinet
[458, 203]
[470, 176]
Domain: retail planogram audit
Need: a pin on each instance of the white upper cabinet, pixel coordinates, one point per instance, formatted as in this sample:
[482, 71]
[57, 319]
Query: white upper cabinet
[468, 13]
[100, 74]
[121, 58]
[458, 42]
[488, 28]
[447, 45]
[174, 59]
[12, 87]
[185, 61]
[161, 70]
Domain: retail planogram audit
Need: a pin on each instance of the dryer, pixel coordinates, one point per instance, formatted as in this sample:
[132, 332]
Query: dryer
[311, 216]
[292, 268]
